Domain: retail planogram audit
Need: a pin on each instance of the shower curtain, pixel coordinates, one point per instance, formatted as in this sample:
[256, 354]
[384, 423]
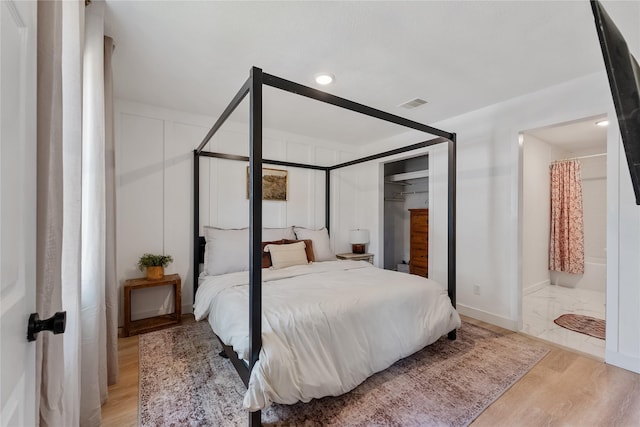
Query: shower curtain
[566, 244]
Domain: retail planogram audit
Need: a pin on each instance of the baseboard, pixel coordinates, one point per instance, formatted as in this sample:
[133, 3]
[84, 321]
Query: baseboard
[187, 308]
[536, 287]
[624, 361]
[137, 315]
[485, 316]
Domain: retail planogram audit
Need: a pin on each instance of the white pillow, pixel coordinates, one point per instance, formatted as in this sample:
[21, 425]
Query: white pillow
[269, 234]
[320, 240]
[227, 250]
[287, 255]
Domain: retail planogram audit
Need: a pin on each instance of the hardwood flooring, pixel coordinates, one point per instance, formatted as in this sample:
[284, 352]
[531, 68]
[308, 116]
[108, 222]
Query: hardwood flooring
[564, 389]
[121, 408]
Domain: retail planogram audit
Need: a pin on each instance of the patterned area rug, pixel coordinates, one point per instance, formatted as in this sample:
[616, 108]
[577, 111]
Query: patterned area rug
[184, 382]
[584, 324]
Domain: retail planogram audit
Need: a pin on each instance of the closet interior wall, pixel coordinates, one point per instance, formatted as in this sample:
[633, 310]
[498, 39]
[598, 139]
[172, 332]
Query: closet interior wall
[406, 186]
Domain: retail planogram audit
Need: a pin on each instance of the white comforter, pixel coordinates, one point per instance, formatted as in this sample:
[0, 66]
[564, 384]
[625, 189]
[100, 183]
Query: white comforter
[326, 326]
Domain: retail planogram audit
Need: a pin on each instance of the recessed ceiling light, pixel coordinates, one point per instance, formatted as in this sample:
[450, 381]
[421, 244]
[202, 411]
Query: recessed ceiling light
[602, 123]
[325, 78]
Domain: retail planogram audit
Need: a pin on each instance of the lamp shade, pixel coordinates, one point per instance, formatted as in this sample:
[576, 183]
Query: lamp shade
[358, 236]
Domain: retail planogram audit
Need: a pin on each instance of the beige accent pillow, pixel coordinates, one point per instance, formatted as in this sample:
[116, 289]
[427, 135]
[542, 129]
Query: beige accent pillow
[287, 255]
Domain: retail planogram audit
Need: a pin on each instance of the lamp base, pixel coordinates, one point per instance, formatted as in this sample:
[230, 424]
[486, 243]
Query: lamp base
[357, 248]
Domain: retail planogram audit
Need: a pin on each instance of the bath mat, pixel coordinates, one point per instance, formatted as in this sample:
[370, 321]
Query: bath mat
[584, 324]
[183, 382]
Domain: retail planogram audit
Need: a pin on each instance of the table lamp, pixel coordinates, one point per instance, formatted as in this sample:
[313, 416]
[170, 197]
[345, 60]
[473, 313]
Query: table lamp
[358, 239]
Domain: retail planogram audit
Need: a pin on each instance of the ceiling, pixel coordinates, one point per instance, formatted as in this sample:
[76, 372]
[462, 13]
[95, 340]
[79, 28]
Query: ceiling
[193, 56]
[575, 136]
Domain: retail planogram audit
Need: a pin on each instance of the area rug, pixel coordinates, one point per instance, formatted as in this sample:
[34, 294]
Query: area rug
[584, 324]
[183, 382]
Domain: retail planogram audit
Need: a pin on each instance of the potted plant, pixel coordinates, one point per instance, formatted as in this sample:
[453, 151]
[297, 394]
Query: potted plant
[154, 264]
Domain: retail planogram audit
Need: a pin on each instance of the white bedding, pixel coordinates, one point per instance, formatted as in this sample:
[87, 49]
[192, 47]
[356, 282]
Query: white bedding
[326, 326]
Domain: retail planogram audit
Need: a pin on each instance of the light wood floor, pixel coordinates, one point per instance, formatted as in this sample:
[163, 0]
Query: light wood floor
[564, 389]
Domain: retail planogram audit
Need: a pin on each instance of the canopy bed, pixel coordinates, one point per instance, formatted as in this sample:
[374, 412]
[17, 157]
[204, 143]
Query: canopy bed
[351, 275]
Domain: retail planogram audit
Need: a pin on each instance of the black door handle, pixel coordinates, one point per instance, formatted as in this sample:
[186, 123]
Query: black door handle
[56, 324]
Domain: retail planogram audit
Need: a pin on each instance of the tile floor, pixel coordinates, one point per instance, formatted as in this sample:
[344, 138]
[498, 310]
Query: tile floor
[541, 307]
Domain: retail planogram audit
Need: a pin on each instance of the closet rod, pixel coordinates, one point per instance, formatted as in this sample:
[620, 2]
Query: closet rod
[581, 157]
[404, 193]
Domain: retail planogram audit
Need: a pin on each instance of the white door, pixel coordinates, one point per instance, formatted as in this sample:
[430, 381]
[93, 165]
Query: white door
[18, 20]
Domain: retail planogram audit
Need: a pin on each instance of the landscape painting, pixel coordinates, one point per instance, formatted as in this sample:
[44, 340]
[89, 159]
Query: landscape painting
[274, 184]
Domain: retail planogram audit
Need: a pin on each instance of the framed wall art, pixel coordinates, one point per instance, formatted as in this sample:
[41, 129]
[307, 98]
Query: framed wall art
[274, 184]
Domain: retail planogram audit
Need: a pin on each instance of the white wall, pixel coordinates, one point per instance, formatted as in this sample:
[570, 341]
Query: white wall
[536, 157]
[488, 188]
[489, 199]
[594, 189]
[394, 219]
[370, 199]
[154, 169]
[490, 211]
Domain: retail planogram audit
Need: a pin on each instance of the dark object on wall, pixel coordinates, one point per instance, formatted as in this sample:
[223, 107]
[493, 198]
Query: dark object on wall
[624, 80]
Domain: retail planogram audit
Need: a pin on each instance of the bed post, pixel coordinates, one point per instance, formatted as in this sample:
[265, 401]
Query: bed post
[255, 227]
[253, 86]
[327, 198]
[196, 221]
[452, 225]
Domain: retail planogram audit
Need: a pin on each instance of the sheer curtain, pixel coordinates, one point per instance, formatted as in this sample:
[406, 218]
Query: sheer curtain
[99, 297]
[74, 268]
[566, 243]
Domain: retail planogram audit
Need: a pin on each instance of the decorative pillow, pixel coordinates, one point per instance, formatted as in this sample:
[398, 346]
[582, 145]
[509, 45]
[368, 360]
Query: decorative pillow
[308, 248]
[227, 250]
[287, 255]
[266, 256]
[278, 233]
[321, 244]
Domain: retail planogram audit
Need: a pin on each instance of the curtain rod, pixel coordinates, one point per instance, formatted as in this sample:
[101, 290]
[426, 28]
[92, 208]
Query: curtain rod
[580, 157]
[405, 193]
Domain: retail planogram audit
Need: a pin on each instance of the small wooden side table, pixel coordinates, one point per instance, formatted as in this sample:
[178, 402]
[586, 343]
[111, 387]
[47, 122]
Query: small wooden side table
[356, 257]
[156, 322]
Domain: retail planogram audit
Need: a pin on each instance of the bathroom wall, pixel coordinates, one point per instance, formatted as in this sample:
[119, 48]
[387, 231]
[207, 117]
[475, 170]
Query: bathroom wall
[536, 157]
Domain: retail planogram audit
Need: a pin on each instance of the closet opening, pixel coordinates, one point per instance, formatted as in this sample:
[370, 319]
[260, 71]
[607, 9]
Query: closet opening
[563, 234]
[406, 215]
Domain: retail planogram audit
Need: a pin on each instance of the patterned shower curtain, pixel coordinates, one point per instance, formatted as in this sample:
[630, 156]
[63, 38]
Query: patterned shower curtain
[566, 245]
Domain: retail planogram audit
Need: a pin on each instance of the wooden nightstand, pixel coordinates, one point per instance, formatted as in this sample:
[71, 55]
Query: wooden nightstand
[356, 257]
[156, 322]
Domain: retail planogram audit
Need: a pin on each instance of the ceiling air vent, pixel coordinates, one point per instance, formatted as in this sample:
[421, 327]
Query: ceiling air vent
[414, 103]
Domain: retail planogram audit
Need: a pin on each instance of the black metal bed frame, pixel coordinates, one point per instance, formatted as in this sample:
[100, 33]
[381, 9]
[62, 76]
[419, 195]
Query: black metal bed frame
[253, 87]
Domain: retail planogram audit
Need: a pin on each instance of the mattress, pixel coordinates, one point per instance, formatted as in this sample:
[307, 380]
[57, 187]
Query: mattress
[326, 326]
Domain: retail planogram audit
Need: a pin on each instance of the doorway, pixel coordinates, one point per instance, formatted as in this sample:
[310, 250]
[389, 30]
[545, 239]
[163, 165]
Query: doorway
[406, 186]
[546, 295]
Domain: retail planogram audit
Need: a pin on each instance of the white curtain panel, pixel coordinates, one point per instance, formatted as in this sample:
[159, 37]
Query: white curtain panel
[60, 32]
[111, 280]
[99, 298]
[72, 225]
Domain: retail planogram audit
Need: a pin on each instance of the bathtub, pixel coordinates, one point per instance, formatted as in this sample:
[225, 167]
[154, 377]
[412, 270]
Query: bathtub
[593, 279]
